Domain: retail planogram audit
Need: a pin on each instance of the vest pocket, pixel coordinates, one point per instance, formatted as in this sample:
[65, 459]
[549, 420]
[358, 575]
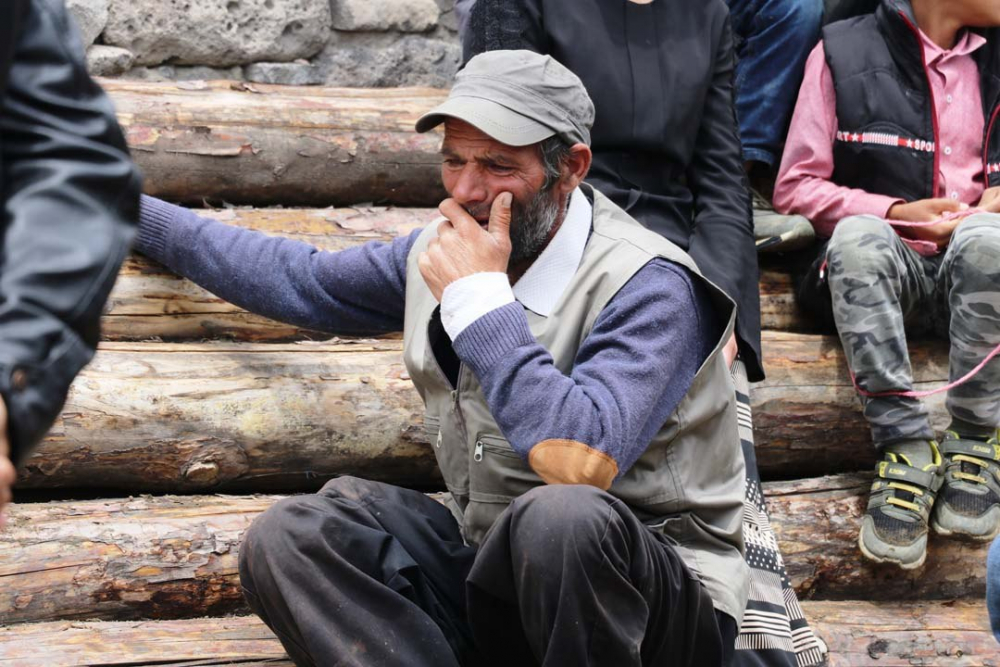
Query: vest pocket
[432, 430]
[498, 474]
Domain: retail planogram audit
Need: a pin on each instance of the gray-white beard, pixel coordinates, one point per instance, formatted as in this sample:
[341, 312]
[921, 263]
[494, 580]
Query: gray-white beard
[531, 225]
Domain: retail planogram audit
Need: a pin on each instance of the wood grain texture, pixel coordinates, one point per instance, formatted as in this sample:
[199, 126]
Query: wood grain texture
[807, 416]
[260, 144]
[176, 557]
[162, 417]
[192, 417]
[816, 522]
[858, 634]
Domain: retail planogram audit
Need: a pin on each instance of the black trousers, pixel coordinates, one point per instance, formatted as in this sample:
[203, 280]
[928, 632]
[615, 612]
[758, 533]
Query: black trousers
[367, 574]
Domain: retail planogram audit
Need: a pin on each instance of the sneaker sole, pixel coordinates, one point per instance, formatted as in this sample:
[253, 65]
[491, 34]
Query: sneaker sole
[883, 559]
[957, 532]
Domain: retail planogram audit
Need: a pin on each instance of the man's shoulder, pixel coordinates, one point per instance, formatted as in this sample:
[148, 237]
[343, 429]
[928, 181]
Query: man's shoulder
[616, 226]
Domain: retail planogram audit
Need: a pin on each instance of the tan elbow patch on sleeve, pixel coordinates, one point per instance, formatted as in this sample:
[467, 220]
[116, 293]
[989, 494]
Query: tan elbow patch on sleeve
[572, 462]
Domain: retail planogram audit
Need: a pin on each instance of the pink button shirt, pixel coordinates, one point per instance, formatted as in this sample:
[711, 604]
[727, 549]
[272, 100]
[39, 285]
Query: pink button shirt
[804, 184]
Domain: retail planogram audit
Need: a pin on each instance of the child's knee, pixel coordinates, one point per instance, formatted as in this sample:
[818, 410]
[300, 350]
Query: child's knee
[975, 246]
[860, 245]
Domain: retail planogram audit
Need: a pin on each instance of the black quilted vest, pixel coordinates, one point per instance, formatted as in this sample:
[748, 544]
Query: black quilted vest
[887, 139]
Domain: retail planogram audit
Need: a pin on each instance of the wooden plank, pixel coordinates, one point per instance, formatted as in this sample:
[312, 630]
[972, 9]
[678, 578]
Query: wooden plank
[260, 144]
[807, 417]
[864, 634]
[175, 557]
[164, 417]
[858, 634]
[205, 642]
[150, 302]
[817, 521]
[247, 417]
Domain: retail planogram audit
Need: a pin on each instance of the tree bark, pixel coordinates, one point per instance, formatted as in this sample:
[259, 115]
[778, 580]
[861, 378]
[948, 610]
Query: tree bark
[162, 417]
[807, 417]
[175, 557]
[910, 633]
[857, 633]
[260, 144]
[817, 521]
[149, 301]
[245, 417]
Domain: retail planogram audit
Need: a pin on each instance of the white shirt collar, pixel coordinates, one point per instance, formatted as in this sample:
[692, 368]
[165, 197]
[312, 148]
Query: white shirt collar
[542, 285]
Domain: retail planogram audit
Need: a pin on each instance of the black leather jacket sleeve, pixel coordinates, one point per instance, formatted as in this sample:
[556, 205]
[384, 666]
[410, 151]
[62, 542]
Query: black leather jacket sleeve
[722, 236]
[70, 206]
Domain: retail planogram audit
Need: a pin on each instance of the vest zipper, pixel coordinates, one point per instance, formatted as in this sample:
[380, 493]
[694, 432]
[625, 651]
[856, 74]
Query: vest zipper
[478, 454]
[930, 92]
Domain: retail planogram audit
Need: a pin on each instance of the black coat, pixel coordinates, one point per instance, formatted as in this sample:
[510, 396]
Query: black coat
[665, 140]
[70, 199]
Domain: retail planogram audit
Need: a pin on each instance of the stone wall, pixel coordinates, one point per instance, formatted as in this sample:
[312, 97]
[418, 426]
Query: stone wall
[361, 43]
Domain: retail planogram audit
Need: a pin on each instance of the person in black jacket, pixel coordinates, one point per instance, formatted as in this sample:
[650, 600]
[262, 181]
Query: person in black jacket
[666, 142]
[70, 199]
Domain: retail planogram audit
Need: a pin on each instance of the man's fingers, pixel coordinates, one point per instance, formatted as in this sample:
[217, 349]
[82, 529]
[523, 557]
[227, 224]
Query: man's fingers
[500, 217]
[458, 216]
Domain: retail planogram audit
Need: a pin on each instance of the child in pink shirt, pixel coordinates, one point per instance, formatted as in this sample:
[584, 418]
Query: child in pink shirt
[895, 125]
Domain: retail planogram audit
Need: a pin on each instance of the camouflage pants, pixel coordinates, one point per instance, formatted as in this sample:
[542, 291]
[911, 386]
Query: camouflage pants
[881, 289]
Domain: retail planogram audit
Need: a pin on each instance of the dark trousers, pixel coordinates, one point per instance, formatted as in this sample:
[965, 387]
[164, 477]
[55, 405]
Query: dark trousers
[367, 574]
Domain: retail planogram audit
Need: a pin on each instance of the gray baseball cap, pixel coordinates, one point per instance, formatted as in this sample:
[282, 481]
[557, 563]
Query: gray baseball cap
[518, 98]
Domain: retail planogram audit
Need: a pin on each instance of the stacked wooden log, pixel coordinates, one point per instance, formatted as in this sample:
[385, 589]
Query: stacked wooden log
[190, 395]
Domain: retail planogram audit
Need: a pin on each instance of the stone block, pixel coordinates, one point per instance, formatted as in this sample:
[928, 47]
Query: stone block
[364, 60]
[385, 15]
[218, 33]
[171, 73]
[448, 18]
[108, 60]
[286, 74]
[90, 16]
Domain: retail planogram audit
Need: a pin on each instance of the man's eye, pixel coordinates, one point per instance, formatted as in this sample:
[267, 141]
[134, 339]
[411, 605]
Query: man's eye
[451, 163]
[501, 169]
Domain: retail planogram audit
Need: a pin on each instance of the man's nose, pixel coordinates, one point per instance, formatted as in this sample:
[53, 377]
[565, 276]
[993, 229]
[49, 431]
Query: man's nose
[470, 187]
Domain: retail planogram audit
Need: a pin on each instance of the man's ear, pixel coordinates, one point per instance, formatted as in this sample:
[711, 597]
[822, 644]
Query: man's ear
[576, 166]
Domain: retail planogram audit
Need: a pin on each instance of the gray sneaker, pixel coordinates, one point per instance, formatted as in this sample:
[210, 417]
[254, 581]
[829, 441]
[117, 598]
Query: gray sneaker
[970, 503]
[775, 232]
[894, 529]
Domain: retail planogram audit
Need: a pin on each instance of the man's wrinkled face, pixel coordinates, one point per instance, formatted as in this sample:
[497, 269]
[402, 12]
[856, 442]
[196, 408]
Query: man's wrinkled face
[477, 168]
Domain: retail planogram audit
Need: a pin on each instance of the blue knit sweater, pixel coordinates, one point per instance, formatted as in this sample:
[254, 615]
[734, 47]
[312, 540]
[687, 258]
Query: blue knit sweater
[630, 374]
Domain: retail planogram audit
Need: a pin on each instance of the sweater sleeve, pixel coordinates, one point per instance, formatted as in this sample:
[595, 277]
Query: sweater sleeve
[630, 373]
[804, 183]
[359, 291]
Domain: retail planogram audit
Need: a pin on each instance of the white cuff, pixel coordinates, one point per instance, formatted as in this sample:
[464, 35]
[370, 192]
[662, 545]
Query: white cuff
[467, 299]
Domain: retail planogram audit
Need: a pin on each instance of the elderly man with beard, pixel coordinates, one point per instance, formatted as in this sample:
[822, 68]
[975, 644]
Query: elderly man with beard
[576, 393]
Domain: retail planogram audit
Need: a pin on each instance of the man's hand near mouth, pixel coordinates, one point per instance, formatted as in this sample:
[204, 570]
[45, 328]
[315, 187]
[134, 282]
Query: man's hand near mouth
[465, 245]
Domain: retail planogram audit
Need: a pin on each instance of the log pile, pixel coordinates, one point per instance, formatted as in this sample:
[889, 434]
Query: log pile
[191, 395]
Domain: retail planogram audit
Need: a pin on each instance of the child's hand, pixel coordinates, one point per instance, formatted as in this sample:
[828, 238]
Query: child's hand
[928, 210]
[939, 234]
[990, 201]
[925, 210]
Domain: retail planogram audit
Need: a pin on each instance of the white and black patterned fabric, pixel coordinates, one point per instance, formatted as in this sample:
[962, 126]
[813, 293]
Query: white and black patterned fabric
[775, 631]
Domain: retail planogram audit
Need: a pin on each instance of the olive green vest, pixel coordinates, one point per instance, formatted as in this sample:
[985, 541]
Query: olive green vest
[689, 483]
